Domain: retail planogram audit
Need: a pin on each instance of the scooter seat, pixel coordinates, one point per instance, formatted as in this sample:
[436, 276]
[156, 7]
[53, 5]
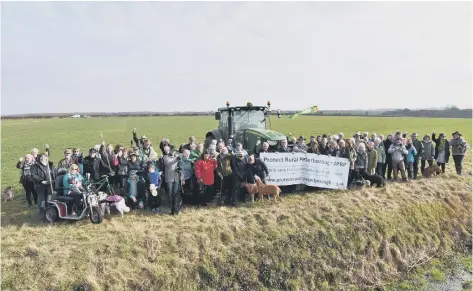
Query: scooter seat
[64, 198]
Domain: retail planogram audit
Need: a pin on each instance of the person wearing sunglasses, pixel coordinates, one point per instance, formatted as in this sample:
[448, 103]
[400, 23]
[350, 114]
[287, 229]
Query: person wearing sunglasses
[73, 186]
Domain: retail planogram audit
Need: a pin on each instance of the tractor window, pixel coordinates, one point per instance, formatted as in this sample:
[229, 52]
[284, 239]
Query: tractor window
[249, 119]
[223, 122]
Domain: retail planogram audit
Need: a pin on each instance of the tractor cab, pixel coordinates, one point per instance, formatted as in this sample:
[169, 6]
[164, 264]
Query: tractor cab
[247, 125]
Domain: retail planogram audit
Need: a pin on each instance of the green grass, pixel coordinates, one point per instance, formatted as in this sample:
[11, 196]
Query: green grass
[310, 241]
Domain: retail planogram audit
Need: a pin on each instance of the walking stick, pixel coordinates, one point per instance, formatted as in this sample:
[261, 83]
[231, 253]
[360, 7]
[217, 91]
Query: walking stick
[50, 183]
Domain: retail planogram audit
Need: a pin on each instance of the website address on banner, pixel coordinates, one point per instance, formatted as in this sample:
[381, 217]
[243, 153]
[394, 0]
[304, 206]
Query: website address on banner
[300, 180]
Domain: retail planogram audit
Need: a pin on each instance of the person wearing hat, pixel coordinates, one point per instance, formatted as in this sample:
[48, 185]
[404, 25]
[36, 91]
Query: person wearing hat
[67, 161]
[459, 149]
[419, 151]
[187, 146]
[300, 146]
[397, 151]
[442, 150]
[139, 142]
[135, 164]
[95, 166]
[428, 153]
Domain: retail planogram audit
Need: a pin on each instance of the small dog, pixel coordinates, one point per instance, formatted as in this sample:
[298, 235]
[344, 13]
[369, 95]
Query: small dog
[374, 179]
[252, 189]
[267, 190]
[8, 193]
[431, 171]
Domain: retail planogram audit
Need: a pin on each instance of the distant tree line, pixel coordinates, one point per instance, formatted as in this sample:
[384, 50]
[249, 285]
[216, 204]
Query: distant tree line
[448, 112]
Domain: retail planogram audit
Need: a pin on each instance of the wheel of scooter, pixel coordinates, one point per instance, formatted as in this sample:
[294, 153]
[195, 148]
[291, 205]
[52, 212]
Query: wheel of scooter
[96, 215]
[51, 214]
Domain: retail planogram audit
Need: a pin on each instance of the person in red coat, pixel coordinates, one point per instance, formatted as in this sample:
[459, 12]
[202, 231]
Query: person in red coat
[204, 173]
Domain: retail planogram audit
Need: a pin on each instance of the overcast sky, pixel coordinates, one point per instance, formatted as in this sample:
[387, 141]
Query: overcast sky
[164, 56]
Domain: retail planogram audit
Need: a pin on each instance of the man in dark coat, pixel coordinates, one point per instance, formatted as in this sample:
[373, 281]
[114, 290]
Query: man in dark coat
[240, 172]
[43, 174]
[95, 166]
[257, 167]
[389, 162]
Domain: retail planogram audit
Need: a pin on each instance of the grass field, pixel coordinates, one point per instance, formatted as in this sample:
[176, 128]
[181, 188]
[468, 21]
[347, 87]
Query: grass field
[309, 241]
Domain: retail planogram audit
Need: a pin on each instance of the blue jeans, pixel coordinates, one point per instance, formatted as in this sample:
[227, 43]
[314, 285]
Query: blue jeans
[174, 196]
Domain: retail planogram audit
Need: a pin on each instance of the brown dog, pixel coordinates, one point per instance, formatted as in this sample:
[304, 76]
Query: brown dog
[432, 171]
[8, 194]
[267, 190]
[252, 189]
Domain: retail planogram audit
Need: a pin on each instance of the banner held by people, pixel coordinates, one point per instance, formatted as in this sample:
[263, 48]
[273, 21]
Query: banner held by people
[309, 169]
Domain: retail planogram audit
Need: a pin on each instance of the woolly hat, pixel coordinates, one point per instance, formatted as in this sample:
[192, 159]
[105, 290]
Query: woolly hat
[457, 132]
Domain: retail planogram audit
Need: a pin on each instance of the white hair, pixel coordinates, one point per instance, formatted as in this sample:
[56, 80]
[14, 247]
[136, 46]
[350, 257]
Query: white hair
[34, 150]
[377, 140]
[97, 147]
[361, 146]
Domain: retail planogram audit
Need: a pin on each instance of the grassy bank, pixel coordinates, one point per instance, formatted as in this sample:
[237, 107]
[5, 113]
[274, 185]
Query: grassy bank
[307, 242]
[340, 240]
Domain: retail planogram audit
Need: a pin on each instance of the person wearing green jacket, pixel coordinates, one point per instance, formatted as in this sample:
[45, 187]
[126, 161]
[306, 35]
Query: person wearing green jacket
[381, 155]
[196, 153]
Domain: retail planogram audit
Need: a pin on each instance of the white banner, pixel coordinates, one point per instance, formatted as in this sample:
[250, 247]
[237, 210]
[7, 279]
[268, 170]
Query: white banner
[309, 169]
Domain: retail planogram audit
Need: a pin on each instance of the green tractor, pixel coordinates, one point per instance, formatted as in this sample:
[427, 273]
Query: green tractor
[247, 125]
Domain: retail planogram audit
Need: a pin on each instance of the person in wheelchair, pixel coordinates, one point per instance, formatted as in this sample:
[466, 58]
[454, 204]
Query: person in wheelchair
[73, 187]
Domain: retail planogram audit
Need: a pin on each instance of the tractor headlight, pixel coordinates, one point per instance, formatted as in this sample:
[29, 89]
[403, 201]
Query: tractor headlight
[272, 142]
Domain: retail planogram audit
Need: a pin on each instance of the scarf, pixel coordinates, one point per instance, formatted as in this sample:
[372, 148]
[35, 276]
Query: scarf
[27, 168]
[441, 146]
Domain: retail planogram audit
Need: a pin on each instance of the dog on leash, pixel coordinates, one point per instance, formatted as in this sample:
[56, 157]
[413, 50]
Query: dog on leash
[8, 193]
[252, 189]
[431, 171]
[266, 189]
[374, 179]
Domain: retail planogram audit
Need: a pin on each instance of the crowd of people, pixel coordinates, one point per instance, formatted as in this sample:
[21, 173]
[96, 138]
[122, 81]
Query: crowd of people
[219, 169]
